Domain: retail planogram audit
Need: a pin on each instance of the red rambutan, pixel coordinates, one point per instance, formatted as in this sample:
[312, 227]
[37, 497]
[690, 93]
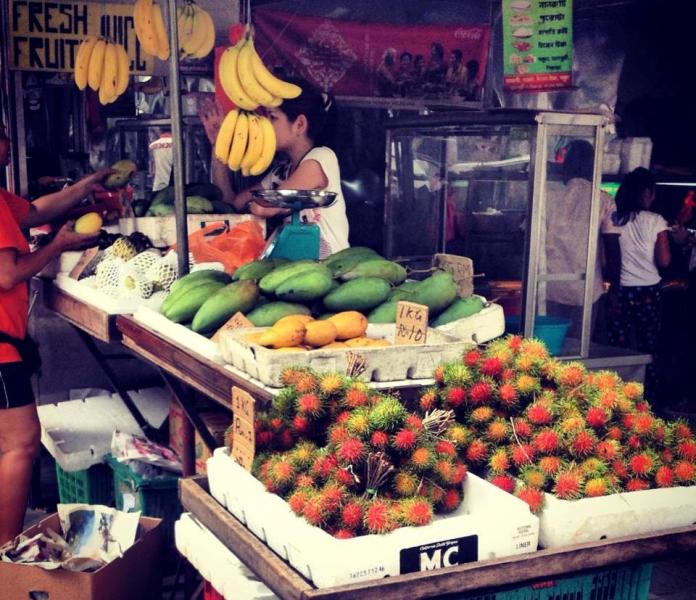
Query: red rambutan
[459, 474]
[416, 512]
[568, 485]
[379, 439]
[445, 447]
[345, 477]
[450, 501]
[682, 430]
[300, 424]
[619, 468]
[686, 449]
[286, 440]
[503, 481]
[477, 451]
[352, 514]
[472, 357]
[550, 465]
[338, 434]
[331, 497]
[378, 518]
[507, 395]
[351, 451]
[539, 413]
[491, 367]
[297, 501]
[607, 449]
[615, 433]
[456, 396]
[522, 454]
[596, 417]
[428, 401]
[643, 424]
[664, 477]
[637, 484]
[642, 464]
[582, 443]
[344, 534]
[314, 512]
[439, 373]
[533, 497]
[545, 441]
[684, 471]
[263, 439]
[355, 397]
[310, 405]
[480, 393]
[522, 428]
[404, 440]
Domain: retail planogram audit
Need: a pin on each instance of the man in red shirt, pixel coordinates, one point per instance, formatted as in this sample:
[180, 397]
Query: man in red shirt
[19, 424]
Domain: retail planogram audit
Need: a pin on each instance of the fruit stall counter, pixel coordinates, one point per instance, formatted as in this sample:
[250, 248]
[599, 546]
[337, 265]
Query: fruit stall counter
[486, 575]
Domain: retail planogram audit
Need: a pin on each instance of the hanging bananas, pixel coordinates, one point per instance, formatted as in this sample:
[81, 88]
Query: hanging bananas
[246, 80]
[102, 65]
[196, 31]
[245, 141]
[150, 29]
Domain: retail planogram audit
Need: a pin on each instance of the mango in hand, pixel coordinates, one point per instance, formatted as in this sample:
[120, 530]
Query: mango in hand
[88, 223]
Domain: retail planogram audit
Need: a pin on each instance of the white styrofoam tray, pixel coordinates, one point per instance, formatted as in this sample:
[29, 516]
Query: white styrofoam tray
[390, 363]
[109, 304]
[569, 522]
[490, 523]
[175, 332]
[216, 563]
[485, 325]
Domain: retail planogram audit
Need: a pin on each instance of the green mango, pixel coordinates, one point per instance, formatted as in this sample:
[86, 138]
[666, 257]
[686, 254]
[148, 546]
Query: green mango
[305, 286]
[198, 205]
[384, 313]
[437, 292]
[238, 296]
[459, 309]
[124, 169]
[388, 270]
[256, 269]
[268, 314]
[360, 294]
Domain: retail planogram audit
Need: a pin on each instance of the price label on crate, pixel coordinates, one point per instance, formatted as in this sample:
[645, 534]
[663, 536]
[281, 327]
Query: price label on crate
[86, 258]
[462, 269]
[237, 321]
[243, 437]
[411, 324]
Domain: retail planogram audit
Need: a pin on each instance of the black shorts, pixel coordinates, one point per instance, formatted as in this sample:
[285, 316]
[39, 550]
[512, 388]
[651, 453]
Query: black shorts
[15, 386]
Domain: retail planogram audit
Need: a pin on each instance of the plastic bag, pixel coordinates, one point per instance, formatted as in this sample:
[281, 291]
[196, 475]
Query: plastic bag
[216, 242]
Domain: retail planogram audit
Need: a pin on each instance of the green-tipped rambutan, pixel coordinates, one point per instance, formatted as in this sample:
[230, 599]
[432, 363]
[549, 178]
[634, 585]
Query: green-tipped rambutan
[571, 374]
[597, 486]
[359, 423]
[415, 512]
[283, 402]
[331, 497]
[593, 467]
[527, 385]
[421, 459]
[550, 465]
[302, 456]
[388, 414]
[643, 424]
[477, 452]
[504, 481]
[290, 375]
[608, 399]
[481, 415]
[535, 348]
[314, 511]
[310, 405]
[444, 471]
[433, 492]
[439, 373]
[633, 390]
[405, 483]
[534, 497]
[527, 364]
[428, 400]
[664, 477]
[458, 434]
[499, 461]
[501, 350]
[351, 451]
[379, 518]
[281, 472]
[331, 383]
[304, 480]
[497, 431]
[608, 449]
[606, 380]
[571, 424]
[337, 434]
[298, 499]
[533, 476]
[456, 374]
[568, 484]
[352, 514]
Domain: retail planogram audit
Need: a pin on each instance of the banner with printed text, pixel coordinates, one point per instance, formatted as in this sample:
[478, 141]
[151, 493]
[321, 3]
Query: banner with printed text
[537, 44]
[44, 35]
[359, 59]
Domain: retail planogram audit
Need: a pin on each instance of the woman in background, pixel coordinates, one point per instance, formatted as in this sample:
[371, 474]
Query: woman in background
[644, 243]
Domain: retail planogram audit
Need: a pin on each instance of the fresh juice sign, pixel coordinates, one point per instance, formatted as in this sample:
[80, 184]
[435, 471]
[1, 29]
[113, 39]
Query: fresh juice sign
[44, 35]
[537, 44]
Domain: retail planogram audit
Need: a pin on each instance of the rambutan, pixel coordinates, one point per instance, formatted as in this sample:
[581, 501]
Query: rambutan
[666, 455]
[297, 501]
[593, 467]
[570, 375]
[664, 477]
[533, 476]
[642, 464]
[503, 481]
[606, 380]
[686, 449]
[331, 497]
[596, 486]
[514, 342]
[583, 443]
[304, 480]
[458, 434]
[472, 357]
[428, 400]
[352, 514]
[550, 465]
[497, 431]
[355, 396]
[444, 470]
[682, 430]
[379, 439]
[684, 471]
[337, 434]
[637, 484]
[285, 440]
[491, 367]
[263, 439]
[619, 468]
[302, 455]
[507, 395]
[446, 448]
[331, 383]
[634, 442]
[276, 424]
[456, 374]
[414, 422]
[345, 477]
[633, 390]
[501, 350]
[481, 415]
[439, 373]
[314, 512]
[568, 484]
[608, 399]
[459, 475]
[526, 364]
[522, 454]
[404, 440]
[571, 424]
[499, 461]
[450, 501]
[359, 423]
[643, 424]
[421, 459]
[534, 497]
[310, 405]
[416, 512]
[539, 413]
[477, 451]
[306, 383]
[290, 375]
[526, 384]
[546, 441]
[405, 484]
[597, 417]
[378, 518]
[282, 472]
[480, 393]
[388, 414]
[300, 425]
[642, 406]
[344, 534]
[350, 451]
[455, 396]
[534, 348]
[522, 428]
[508, 376]
[615, 433]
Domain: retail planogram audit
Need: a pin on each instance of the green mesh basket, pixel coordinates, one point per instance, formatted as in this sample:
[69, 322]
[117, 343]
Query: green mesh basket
[88, 486]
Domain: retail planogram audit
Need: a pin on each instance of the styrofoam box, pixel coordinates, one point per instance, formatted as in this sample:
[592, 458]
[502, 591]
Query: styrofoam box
[480, 328]
[162, 230]
[109, 304]
[489, 523]
[195, 342]
[566, 522]
[391, 363]
[216, 563]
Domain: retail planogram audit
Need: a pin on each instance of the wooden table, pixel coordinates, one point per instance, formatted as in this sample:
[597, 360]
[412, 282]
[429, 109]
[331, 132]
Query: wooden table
[544, 564]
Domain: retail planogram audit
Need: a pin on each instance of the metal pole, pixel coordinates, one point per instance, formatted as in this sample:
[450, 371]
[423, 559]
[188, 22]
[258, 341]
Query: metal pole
[177, 141]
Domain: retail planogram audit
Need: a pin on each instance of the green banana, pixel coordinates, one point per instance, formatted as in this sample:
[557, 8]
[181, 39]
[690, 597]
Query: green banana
[238, 296]
[437, 292]
[268, 314]
[272, 280]
[388, 270]
[362, 293]
[384, 313]
[187, 304]
[459, 309]
[256, 269]
[306, 286]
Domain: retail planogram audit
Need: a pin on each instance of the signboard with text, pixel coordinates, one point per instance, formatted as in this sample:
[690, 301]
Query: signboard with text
[44, 35]
[537, 44]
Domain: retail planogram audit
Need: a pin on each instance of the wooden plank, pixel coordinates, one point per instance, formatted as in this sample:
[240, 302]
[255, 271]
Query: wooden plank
[197, 371]
[270, 568]
[478, 576]
[87, 317]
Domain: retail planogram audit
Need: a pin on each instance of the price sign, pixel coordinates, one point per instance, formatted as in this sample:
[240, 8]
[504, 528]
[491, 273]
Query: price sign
[86, 258]
[243, 439]
[411, 324]
[237, 321]
[462, 269]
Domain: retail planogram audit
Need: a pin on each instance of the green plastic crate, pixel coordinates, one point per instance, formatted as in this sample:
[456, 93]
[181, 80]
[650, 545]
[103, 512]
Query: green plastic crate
[154, 497]
[88, 486]
[630, 582]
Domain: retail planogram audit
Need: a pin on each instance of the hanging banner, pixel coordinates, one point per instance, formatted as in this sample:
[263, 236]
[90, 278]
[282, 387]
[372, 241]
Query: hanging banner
[44, 35]
[537, 44]
[446, 63]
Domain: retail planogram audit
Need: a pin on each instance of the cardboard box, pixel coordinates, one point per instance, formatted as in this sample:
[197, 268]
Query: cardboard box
[217, 423]
[177, 419]
[135, 576]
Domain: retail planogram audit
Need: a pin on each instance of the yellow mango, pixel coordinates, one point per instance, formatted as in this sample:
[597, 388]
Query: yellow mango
[379, 343]
[90, 222]
[254, 337]
[290, 333]
[301, 318]
[349, 324]
[359, 342]
[320, 333]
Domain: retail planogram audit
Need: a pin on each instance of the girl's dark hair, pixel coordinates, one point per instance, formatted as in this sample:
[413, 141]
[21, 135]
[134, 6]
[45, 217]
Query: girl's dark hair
[318, 108]
[578, 160]
[630, 194]
[438, 47]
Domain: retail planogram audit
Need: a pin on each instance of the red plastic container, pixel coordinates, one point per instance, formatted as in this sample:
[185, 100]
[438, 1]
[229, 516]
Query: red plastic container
[210, 593]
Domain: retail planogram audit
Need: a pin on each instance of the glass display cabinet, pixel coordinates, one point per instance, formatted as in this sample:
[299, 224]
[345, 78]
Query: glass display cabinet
[517, 191]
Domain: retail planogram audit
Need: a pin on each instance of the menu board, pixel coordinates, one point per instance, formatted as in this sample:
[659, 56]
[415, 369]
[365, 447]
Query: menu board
[537, 44]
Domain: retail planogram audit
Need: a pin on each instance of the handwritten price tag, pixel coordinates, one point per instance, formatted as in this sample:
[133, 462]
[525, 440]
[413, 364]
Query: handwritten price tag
[462, 269]
[411, 324]
[86, 258]
[243, 439]
[237, 321]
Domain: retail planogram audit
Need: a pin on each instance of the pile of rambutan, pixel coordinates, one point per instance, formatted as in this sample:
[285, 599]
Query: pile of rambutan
[532, 424]
[353, 461]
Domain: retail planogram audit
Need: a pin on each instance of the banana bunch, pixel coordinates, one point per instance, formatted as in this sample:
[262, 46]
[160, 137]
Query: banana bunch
[196, 31]
[245, 141]
[150, 29]
[247, 81]
[103, 66]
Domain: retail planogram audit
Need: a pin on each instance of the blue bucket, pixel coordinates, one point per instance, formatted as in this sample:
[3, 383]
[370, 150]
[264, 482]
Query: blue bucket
[550, 330]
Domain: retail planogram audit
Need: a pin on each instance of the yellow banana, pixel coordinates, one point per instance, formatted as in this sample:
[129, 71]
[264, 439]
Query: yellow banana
[142, 14]
[223, 141]
[160, 33]
[239, 142]
[184, 28]
[254, 144]
[277, 101]
[276, 87]
[82, 61]
[123, 69]
[269, 147]
[205, 22]
[230, 79]
[246, 76]
[198, 33]
[96, 65]
[109, 80]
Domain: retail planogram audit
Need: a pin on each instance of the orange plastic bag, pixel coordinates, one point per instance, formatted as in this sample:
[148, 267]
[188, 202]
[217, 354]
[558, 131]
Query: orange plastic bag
[216, 242]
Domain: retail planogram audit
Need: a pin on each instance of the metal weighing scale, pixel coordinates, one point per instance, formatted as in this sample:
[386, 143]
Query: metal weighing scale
[294, 240]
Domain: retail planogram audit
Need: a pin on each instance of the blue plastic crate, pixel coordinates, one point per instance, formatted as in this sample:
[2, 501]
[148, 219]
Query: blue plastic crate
[550, 330]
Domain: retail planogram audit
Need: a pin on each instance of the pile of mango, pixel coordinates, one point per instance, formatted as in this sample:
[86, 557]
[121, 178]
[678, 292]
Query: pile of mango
[356, 280]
